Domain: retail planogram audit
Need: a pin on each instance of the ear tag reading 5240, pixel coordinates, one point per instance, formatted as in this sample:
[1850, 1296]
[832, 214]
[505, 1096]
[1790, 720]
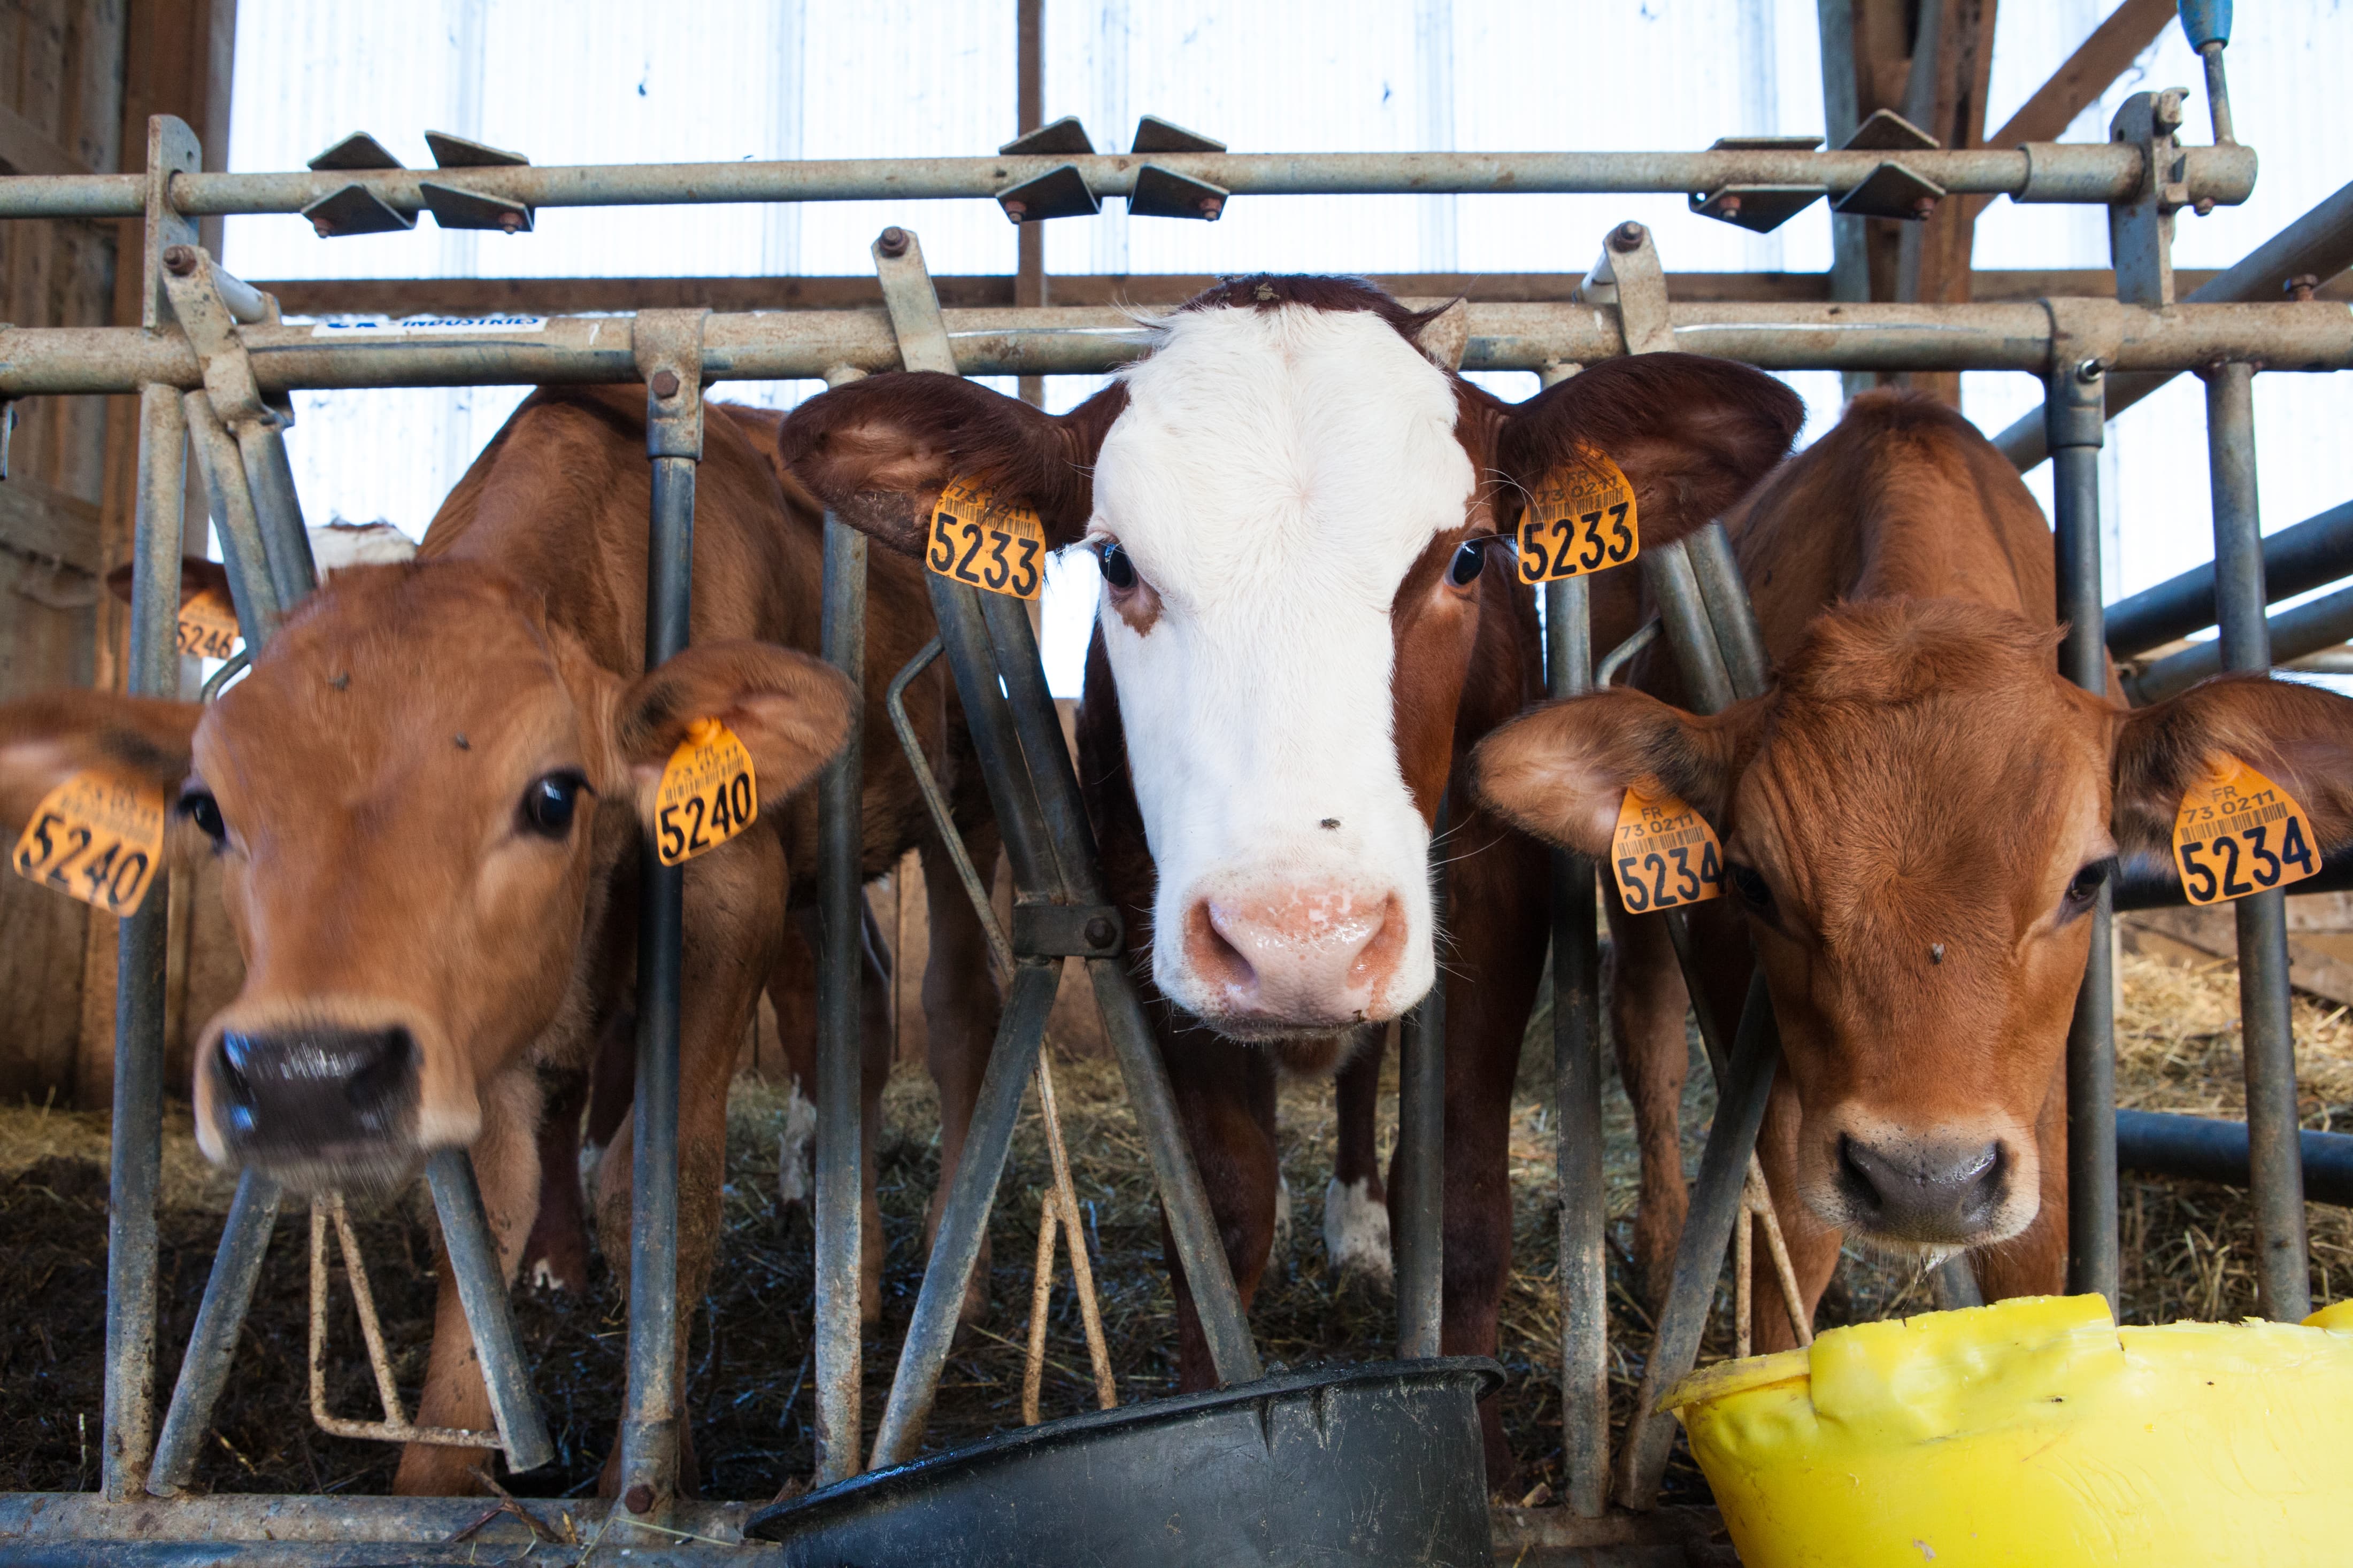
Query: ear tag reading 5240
[95, 838]
[1581, 518]
[2238, 833]
[708, 793]
[1663, 854]
[978, 540]
[208, 626]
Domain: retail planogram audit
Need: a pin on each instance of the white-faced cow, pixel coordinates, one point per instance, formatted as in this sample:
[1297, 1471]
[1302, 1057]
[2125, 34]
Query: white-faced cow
[429, 795]
[1301, 635]
[1916, 818]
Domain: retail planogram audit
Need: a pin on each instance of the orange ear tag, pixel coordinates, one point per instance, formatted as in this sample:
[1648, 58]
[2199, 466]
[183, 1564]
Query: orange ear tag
[708, 793]
[208, 627]
[1581, 518]
[986, 543]
[1663, 854]
[2238, 833]
[95, 838]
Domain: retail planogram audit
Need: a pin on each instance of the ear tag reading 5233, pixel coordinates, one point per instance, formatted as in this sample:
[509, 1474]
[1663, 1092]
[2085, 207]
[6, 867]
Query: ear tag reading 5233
[978, 540]
[95, 838]
[1581, 518]
[1663, 854]
[2238, 833]
[708, 793]
[208, 626]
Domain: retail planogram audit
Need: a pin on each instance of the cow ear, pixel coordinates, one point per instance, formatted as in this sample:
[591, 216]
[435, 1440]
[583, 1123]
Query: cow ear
[196, 575]
[2298, 736]
[1562, 771]
[879, 451]
[46, 739]
[1691, 433]
[791, 712]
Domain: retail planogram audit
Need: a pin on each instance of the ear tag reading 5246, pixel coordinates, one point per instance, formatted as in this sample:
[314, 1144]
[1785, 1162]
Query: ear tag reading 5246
[1663, 854]
[978, 539]
[95, 838]
[1581, 518]
[708, 793]
[208, 626]
[2238, 833]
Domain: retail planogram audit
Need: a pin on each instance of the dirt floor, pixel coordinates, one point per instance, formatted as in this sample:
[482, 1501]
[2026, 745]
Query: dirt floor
[2187, 1251]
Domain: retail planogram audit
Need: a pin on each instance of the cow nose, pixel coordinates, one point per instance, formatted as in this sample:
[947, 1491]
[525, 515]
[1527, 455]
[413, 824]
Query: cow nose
[1937, 1193]
[308, 1092]
[1306, 957]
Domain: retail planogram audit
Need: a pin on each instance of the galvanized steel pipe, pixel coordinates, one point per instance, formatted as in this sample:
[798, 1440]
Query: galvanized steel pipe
[2316, 550]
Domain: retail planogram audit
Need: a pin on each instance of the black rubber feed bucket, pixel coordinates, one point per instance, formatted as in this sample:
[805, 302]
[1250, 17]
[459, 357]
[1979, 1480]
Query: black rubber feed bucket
[1362, 1465]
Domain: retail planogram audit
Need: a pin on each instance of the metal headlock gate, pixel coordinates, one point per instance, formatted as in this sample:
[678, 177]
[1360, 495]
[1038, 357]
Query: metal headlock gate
[211, 360]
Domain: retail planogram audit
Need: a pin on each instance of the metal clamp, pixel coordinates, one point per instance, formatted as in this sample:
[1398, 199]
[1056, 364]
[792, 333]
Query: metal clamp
[2140, 231]
[2085, 334]
[1067, 931]
[1627, 275]
[667, 346]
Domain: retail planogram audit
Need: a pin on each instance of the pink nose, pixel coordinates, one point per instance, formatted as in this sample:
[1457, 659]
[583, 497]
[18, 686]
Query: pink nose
[1314, 957]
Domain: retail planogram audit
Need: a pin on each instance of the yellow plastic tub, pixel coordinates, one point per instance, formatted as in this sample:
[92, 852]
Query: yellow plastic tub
[2035, 1432]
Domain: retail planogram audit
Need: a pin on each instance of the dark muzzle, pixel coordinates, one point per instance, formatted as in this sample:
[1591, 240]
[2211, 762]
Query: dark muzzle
[315, 1094]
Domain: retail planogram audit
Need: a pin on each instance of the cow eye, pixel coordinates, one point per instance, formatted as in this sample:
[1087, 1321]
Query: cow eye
[1468, 563]
[2087, 883]
[199, 807]
[1753, 888]
[548, 805]
[1118, 569]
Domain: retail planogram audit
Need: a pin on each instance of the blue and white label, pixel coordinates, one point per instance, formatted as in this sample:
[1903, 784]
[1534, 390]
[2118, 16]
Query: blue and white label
[428, 326]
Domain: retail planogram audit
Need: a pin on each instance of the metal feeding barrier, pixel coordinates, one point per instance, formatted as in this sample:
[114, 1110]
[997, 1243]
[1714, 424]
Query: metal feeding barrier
[211, 359]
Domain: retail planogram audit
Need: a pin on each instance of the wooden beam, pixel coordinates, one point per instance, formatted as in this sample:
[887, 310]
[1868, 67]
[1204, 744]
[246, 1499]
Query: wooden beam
[2090, 71]
[24, 150]
[35, 519]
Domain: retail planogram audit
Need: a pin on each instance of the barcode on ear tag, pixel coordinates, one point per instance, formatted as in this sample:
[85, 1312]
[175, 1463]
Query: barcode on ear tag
[987, 544]
[1581, 518]
[708, 793]
[96, 838]
[1663, 853]
[2238, 833]
[208, 626]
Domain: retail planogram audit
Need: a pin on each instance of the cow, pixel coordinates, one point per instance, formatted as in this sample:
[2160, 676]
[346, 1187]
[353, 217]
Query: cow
[428, 795]
[1301, 634]
[1916, 818]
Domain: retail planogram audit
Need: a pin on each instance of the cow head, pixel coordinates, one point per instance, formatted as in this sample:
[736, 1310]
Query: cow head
[412, 793]
[1292, 504]
[1916, 819]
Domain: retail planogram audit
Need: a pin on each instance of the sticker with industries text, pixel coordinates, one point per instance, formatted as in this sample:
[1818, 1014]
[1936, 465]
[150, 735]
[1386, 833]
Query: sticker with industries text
[708, 793]
[96, 838]
[2238, 833]
[1581, 518]
[978, 540]
[208, 626]
[1663, 854]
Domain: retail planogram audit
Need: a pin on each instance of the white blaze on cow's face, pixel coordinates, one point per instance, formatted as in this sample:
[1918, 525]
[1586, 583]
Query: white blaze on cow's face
[1274, 475]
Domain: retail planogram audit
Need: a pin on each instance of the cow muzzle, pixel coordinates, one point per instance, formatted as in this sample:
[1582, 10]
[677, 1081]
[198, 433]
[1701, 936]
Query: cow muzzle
[317, 1104]
[1923, 1191]
[1283, 963]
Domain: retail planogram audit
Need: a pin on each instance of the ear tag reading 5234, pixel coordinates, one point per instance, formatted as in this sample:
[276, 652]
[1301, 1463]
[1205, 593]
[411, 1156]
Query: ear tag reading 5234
[978, 540]
[1663, 854]
[1581, 518]
[208, 626]
[2238, 833]
[95, 838]
[708, 793]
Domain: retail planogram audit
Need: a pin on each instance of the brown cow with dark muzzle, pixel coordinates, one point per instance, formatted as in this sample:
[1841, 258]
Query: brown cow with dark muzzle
[1916, 818]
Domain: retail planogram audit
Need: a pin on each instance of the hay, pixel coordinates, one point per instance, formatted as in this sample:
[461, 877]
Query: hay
[2187, 1251]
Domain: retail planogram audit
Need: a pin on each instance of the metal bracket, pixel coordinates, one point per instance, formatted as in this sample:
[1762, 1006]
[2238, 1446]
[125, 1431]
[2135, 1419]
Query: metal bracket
[1065, 138]
[1888, 132]
[1164, 193]
[668, 345]
[1057, 193]
[1154, 135]
[2140, 231]
[355, 209]
[454, 207]
[2084, 336]
[1762, 208]
[1628, 276]
[1892, 191]
[914, 307]
[1067, 931]
[357, 151]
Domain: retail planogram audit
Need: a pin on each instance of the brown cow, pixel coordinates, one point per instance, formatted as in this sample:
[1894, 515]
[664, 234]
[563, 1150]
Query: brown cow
[1300, 639]
[1916, 818]
[429, 919]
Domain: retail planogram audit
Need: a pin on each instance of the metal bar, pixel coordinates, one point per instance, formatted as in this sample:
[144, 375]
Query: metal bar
[1699, 1255]
[1684, 614]
[490, 1317]
[2317, 551]
[1418, 1199]
[935, 802]
[278, 509]
[1739, 641]
[2202, 1149]
[1069, 836]
[2266, 1033]
[1091, 339]
[2042, 172]
[2324, 623]
[250, 581]
[964, 1221]
[228, 1294]
[2072, 411]
[840, 1039]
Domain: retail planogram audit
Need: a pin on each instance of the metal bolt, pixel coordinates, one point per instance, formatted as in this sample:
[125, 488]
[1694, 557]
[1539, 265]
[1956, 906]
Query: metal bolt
[1100, 931]
[665, 383]
[2300, 288]
[510, 222]
[2168, 112]
[1924, 208]
[1212, 206]
[179, 260]
[2088, 372]
[1729, 206]
[894, 241]
[639, 1499]
[2204, 206]
[323, 229]
[1016, 210]
[1628, 236]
